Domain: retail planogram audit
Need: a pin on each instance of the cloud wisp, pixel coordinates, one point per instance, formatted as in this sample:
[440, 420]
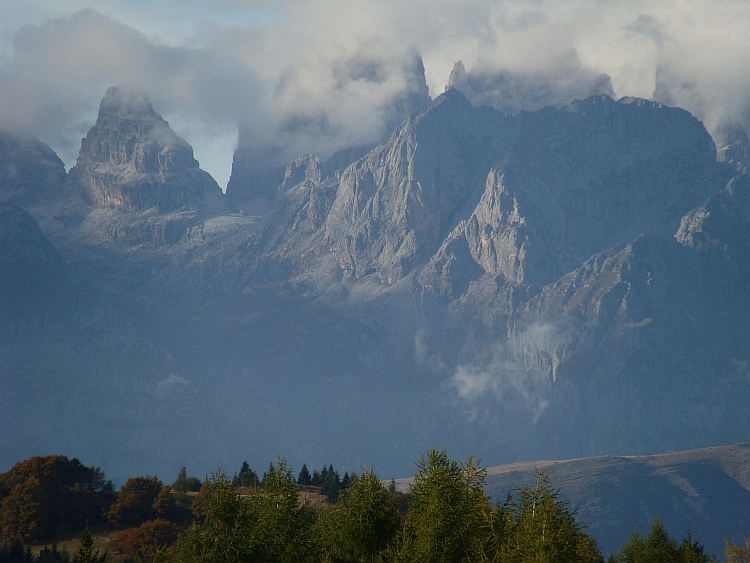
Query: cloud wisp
[520, 371]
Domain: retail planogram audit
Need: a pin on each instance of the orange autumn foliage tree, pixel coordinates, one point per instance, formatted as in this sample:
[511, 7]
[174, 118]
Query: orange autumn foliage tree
[51, 495]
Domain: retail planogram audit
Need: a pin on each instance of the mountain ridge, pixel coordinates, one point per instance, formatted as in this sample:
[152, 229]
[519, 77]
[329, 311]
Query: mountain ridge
[476, 273]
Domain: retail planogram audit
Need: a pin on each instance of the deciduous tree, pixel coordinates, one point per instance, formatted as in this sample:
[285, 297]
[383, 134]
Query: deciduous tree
[735, 553]
[135, 502]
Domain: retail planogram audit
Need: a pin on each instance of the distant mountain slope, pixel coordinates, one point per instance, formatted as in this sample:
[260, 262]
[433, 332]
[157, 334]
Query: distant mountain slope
[30, 171]
[705, 491]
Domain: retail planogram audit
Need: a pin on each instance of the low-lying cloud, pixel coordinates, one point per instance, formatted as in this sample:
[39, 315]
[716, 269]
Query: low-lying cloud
[520, 371]
[325, 71]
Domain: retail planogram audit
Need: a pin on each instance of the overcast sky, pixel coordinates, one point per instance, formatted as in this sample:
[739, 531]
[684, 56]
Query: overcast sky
[210, 66]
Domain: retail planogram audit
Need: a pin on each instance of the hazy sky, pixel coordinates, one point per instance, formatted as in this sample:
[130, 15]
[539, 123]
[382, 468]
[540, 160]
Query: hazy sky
[212, 65]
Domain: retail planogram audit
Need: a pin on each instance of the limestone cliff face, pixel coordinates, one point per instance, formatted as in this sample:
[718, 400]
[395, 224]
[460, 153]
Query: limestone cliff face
[394, 207]
[639, 337]
[133, 161]
[259, 163]
[465, 192]
[577, 181]
[720, 227]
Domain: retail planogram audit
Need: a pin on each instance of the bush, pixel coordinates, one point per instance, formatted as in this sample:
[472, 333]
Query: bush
[146, 538]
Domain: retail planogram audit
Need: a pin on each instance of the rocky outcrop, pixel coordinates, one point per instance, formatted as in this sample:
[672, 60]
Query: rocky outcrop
[524, 199]
[734, 146]
[132, 160]
[394, 207]
[258, 166]
[512, 92]
[720, 227]
[30, 171]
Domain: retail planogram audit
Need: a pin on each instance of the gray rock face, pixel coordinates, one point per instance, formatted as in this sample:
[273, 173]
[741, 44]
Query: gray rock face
[30, 171]
[734, 147]
[637, 338]
[132, 160]
[720, 227]
[394, 207]
[524, 198]
[258, 169]
[513, 92]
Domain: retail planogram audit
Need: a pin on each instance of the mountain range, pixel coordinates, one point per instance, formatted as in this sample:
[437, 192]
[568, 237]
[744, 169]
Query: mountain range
[512, 281]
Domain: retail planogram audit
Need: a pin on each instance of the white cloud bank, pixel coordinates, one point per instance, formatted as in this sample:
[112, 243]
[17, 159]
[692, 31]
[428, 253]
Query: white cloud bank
[211, 67]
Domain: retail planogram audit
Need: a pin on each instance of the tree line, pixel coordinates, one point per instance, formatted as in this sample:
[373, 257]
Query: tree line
[445, 517]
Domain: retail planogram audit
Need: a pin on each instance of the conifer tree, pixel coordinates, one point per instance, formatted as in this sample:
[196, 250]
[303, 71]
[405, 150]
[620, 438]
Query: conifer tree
[222, 534]
[316, 479]
[281, 530]
[86, 551]
[392, 488]
[331, 485]
[364, 524]
[537, 525]
[658, 547]
[449, 519]
[304, 477]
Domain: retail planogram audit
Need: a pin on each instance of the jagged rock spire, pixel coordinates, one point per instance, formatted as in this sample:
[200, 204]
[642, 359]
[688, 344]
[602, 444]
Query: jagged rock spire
[131, 159]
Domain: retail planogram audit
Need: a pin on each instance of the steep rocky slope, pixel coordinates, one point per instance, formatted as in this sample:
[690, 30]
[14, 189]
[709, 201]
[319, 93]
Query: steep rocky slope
[560, 282]
[258, 167]
[132, 160]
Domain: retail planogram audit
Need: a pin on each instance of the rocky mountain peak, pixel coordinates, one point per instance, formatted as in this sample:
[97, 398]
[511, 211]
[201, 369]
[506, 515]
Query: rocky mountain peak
[514, 91]
[397, 203]
[132, 160]
[458, 77]
[125, 104]
[259, 169]
[519, 199]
